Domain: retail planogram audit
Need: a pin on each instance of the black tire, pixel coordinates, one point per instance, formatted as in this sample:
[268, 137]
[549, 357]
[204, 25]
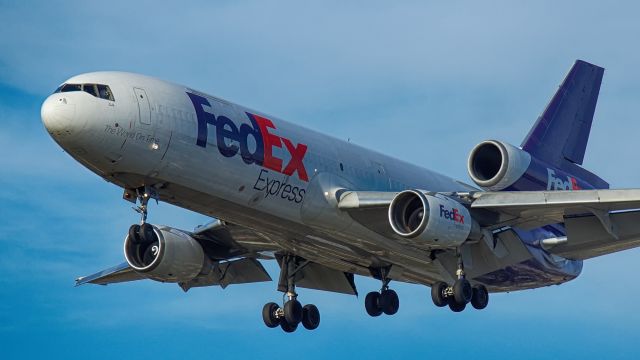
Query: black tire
[293, 312]
[437, 294]
[147, 234]
[134, 234]
[310, 317]
[480, 298]
[269, 315]
[456, 306]
[462, 291]
[389, 302]
[372, 304]
[287, 327]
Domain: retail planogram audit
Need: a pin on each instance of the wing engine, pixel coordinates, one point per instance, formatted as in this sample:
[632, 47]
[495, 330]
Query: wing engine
[163, 253]
[431, 219]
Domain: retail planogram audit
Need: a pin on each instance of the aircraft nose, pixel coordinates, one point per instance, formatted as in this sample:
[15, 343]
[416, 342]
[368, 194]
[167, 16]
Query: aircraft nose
[58, 116]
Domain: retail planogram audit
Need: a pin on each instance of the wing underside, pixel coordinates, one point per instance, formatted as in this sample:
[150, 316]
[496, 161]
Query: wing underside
[598, 222]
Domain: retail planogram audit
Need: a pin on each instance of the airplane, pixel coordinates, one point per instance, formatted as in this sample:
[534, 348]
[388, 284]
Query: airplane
[326, 210]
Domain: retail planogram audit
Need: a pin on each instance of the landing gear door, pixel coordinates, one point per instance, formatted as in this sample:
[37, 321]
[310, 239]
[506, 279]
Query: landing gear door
[144, 109]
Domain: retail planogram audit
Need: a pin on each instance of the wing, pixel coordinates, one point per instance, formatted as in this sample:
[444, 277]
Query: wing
[233, 252]
[119, 273]
[598, 221]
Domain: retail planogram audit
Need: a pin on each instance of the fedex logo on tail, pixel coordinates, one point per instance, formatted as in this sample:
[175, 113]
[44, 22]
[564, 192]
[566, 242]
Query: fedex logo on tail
[232, 140]
[453, 214]
[556, 183]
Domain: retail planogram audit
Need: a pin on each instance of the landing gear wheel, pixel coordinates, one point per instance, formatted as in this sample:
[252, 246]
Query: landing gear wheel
[389, 302]
[134, 234]
[293, 312]
[480, 298]
[372, 304]
[437, 294]
[456, 306]
[310, 317]
[287, 327]
[269, 315]
[147, 235]
[462, 291]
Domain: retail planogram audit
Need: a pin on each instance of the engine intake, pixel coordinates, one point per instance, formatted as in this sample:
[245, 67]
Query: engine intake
[163, 253]
[432, 220]
[495, 165]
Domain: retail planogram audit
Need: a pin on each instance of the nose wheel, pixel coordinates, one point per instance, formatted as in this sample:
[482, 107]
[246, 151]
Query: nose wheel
[292, 313]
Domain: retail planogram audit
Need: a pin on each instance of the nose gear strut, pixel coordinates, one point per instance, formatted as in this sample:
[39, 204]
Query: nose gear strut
[143, 233]
[143, 194]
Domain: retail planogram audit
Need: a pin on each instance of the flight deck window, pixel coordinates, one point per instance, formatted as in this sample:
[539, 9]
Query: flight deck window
[71, 87]
[104, 92]
[89, 88]
[97, 90]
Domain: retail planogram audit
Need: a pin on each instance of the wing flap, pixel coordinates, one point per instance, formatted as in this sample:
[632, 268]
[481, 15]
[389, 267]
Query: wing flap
[241, 271]
[587, 238]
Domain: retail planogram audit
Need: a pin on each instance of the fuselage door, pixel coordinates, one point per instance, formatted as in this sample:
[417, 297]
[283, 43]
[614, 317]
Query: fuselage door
[143, 106]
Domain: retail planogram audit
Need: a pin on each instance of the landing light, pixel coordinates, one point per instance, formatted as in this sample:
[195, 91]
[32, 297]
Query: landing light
[154, 146]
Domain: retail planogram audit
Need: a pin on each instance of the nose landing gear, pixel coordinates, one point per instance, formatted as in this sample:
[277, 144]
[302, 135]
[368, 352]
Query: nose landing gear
[141, 234]
[292, 313]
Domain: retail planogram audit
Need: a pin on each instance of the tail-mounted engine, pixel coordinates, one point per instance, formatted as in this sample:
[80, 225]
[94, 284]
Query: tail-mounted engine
[495, 166]
[163, 253]
[432, 220]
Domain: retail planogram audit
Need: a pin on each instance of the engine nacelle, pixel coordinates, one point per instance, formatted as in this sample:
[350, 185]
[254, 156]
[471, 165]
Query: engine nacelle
[169, 256]
[431, 220]
[495, 165]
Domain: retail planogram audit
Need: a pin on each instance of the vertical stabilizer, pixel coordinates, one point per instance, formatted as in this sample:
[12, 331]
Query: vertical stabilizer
[561, 133]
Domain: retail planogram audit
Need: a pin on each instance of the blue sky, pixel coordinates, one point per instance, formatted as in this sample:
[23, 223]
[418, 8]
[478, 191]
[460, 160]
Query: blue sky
[423, 81]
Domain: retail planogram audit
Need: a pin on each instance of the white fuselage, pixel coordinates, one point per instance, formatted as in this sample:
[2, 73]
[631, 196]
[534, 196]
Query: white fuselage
[247, 168]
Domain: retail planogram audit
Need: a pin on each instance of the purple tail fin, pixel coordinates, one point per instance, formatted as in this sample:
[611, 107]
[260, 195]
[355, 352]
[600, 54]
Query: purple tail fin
[559, 136]
[562, 131]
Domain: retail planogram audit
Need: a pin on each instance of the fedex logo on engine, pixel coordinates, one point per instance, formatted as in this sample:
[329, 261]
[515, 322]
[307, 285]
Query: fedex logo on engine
[453, 214]
[232, 140]
[556, 183]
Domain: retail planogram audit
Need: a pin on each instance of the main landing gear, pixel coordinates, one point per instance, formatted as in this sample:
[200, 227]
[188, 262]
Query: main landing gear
[292, 313]
[385, 301]
[458, 295]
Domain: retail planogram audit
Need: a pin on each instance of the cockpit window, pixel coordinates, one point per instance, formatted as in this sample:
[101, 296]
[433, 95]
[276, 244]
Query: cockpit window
[104, 92]
[70, 87]
[89, 88]
[97, 90]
